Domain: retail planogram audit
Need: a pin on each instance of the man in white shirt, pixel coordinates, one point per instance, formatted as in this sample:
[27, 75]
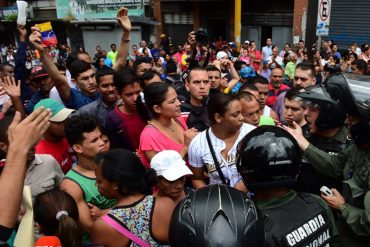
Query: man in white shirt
[267, 50]
[274, 60]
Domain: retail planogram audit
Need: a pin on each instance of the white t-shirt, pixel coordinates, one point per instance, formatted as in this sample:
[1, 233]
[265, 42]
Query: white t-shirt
[54, 94]
[149, 53]
[266, 111]
[278, 60]
[200, 155]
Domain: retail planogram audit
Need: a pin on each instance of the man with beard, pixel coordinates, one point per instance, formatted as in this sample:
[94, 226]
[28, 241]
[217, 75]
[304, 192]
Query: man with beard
[40, 77]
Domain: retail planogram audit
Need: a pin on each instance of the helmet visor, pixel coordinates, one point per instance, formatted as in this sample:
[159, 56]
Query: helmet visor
[352, 92]
[360, 87]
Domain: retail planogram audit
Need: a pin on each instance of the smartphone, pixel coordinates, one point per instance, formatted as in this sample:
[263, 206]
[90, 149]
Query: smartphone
[326, 191]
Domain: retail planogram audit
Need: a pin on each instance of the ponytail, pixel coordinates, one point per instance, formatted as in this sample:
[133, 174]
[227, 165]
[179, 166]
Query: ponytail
[142, 109]
[69, 232]
[57, 214]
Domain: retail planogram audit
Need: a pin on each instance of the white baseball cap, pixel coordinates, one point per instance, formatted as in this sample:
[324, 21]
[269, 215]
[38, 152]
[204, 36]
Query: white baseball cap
[170, 165]
[221, 54]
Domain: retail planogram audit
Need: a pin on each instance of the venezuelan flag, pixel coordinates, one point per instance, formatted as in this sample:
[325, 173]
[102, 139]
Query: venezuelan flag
[47, 33]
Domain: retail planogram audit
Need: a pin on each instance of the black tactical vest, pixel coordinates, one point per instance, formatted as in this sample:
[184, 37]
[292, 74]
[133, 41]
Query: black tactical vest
[198, 117]
[309, 179]
[302, 222]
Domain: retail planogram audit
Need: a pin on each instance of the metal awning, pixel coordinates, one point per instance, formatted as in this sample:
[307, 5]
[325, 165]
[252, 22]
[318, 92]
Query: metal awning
[133, 19]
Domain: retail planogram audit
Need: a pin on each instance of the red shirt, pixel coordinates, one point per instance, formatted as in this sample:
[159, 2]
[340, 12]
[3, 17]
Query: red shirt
[134, 125]
[274, 93]
[59, 150]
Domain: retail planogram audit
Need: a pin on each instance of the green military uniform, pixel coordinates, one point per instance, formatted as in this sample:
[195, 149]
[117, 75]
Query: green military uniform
[278, 204]
[309, 179]
[353, 164]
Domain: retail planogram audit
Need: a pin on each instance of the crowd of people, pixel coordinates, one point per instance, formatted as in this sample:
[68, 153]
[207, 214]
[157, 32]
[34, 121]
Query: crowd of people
[203, 144]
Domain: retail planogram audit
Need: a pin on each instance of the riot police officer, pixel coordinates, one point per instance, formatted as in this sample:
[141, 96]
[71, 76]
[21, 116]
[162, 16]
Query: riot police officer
[268, 161]
[352, 164]
[216, 216]
[327, 132]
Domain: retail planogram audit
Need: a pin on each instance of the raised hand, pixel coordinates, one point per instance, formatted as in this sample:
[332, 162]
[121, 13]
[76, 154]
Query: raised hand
[296, 132]
[36, 39]
[123, 20]
[191, 38]
[2, 89]
[263, 56]
[25, 134]
[22, 32]
[11, 88]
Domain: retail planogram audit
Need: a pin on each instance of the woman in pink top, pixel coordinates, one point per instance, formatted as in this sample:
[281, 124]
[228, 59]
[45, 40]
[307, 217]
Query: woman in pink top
[167, 130]
[244, 56]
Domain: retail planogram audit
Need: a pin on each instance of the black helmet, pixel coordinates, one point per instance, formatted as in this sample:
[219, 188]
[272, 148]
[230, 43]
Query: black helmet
[268, 156]
[331, 115]
[351, 91]
[216, 215]
[353, 94]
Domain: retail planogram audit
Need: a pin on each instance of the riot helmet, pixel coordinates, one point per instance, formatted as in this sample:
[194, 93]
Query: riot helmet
[268, 156]
[216, 216]
[331, 115]
[352, 92]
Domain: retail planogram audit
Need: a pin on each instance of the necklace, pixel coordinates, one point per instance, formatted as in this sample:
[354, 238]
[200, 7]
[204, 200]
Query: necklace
[171, 128]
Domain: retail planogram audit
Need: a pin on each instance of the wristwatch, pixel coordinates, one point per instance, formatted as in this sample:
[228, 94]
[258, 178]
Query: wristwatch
[342, 207]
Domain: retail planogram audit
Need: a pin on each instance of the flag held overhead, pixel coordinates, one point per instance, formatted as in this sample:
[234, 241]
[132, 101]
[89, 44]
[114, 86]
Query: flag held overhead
[47, 33]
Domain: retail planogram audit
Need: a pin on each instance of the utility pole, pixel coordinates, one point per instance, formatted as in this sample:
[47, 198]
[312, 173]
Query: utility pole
[237, 21]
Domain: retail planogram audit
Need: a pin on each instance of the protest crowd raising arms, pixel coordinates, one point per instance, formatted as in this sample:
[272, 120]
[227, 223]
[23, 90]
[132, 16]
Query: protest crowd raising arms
[203, 143]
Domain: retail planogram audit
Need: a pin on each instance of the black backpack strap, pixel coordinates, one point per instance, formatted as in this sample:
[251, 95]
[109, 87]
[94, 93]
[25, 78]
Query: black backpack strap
[220, 173]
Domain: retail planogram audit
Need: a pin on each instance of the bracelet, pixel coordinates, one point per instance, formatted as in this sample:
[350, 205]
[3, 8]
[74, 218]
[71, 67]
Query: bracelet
[125, 40]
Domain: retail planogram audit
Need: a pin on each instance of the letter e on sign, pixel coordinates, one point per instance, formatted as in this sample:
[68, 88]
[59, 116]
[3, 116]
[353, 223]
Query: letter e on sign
[324, 9]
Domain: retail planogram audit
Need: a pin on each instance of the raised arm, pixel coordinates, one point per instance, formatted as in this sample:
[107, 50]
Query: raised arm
[14, 91]
[122, 54]
[235, 76]
[60, 82]
[21, 139]
[20, 63]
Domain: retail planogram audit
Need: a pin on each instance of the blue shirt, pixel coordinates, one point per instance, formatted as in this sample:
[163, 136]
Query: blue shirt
[97, 109]
[77, 99]
[36, 97]
[267, 50]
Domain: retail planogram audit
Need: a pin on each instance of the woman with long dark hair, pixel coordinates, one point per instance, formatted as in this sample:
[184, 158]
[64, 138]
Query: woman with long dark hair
[166, 130]
[138, 218]
[56, 214]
